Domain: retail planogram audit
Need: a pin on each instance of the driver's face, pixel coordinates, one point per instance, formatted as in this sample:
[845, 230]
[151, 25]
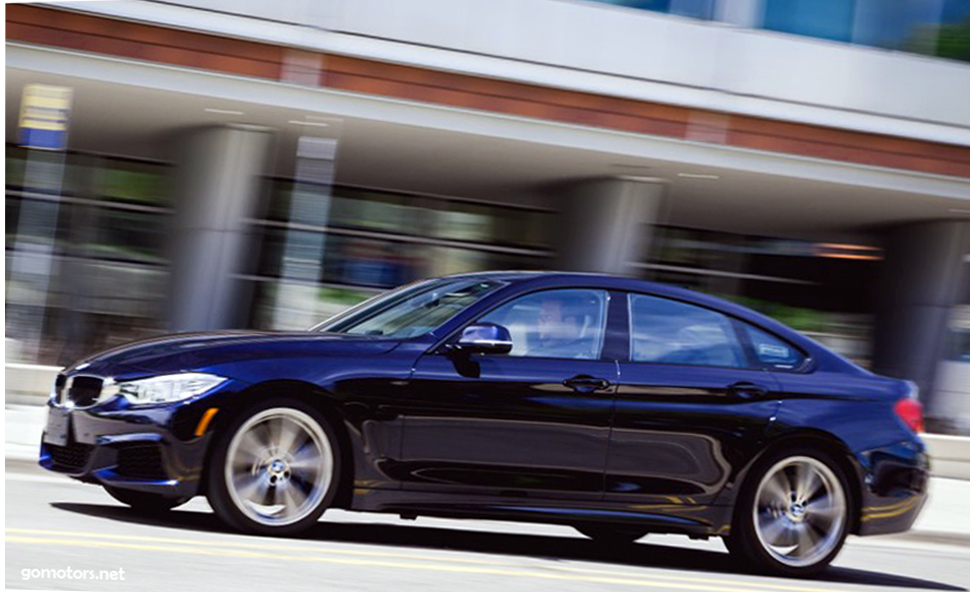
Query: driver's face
[552, 325]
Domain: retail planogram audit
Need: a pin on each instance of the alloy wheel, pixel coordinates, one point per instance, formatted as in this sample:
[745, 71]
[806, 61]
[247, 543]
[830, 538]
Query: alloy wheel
[800, 511]
[279, 466]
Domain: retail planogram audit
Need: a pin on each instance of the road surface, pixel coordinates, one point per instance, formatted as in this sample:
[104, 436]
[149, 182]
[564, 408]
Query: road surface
[53, 523]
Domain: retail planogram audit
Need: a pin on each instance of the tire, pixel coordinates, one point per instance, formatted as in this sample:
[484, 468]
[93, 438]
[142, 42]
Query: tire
[275, 469]
[148, 503]
[793, 514]
[609, 534]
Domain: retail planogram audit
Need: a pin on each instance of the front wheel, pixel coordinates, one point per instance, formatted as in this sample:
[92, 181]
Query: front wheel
[793, 515]
[275, 469]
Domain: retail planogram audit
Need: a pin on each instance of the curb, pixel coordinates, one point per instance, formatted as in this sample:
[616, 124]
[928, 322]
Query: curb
[952, 539]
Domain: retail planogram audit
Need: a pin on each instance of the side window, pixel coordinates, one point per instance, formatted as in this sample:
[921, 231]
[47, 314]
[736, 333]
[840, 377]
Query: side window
[671, 332]
[555, 323]
[771, 352]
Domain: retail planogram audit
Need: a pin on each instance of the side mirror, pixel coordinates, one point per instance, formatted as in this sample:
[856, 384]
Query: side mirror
[484, 338]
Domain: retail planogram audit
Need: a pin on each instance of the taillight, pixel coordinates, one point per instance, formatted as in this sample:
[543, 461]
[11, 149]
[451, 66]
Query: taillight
[911, 412]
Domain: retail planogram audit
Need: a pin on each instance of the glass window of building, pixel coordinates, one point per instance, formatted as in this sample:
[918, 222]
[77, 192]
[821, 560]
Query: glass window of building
[361, 240]
[825, 19]
[700, 9]
[931, 27]
[108, 218]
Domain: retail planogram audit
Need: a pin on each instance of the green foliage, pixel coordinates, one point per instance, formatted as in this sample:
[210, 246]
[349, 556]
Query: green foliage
[136, 186]
[951, 41]
[346, 296]
[800, 319]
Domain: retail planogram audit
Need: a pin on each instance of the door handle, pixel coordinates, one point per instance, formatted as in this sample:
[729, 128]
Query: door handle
[747, 390]
[584, 383]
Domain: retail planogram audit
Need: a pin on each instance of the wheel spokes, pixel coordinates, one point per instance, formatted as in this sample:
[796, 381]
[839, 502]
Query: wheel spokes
[823, 509]
[777, 492]
[251, 487]
[807, 540]
[774, 530]
[807, 483]
[293, 497]
[307, 460]
[285, 434]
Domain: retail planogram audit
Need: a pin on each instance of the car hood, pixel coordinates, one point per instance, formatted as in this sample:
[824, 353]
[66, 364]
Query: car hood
[195, 351]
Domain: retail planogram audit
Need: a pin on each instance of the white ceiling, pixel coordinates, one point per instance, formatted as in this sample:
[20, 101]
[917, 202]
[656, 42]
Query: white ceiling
[137, 121]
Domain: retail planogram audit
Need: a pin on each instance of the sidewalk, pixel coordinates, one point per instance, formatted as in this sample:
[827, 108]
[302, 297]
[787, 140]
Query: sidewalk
[23, 426]
[944, 520]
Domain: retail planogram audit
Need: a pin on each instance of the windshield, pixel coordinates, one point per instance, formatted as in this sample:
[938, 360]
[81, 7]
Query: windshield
[412, 310]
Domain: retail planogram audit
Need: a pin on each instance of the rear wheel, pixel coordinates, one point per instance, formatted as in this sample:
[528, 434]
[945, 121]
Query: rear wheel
[793, 514]
[609, 534]
[275, 469]
[149, 503]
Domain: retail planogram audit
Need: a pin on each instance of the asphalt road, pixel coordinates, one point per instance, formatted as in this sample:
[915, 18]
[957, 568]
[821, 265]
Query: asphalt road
[54, 523]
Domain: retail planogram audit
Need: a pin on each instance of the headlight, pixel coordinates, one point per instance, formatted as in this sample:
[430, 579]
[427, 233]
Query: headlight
[162, 389]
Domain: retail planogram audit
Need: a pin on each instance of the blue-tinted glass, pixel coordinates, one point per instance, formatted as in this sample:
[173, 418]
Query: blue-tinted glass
[413, 310]
[894, 23]
[670, 332]
[955, 11]
[655, 5]
[554, 324]
[773, 352]
[826, 19]
[700, 9]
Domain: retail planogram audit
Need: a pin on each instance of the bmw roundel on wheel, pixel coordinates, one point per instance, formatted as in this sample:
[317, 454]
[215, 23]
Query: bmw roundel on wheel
[616, 406]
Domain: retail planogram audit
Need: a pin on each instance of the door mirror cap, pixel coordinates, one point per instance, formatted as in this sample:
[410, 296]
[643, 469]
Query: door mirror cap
[484, 338]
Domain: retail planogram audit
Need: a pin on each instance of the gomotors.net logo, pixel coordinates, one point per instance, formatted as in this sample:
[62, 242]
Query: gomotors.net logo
[67, 573]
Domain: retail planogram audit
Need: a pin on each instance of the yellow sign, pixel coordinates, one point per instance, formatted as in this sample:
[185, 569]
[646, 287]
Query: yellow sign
[44, 113]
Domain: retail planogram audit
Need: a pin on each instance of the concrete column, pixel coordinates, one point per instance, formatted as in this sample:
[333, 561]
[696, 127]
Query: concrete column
[297, 293]
[218, 186]
[605, 223]
[922, 282]
[741, 13]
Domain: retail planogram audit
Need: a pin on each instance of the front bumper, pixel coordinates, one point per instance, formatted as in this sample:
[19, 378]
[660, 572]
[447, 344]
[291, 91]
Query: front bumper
[151, 449]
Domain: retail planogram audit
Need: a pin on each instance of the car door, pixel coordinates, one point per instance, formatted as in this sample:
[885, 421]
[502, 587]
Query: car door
[531, 423]
[690, 409]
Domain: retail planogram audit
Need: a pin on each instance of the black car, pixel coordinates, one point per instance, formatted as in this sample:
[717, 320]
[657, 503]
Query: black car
[617, 406]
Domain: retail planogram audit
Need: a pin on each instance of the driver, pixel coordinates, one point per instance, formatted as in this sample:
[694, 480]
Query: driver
[560, 328]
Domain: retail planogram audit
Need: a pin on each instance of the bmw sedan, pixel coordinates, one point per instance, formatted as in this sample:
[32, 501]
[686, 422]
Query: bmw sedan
[616, 406]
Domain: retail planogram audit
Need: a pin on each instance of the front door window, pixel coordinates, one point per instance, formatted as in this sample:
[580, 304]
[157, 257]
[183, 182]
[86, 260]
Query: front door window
[555, 323]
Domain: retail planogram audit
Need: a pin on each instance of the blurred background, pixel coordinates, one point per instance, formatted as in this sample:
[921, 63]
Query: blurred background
[241, 164]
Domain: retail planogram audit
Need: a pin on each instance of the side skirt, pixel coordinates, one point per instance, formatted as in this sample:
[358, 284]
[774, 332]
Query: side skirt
[657, 518]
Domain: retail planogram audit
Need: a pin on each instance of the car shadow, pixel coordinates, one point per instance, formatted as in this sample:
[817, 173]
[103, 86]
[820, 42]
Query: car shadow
[553, 548]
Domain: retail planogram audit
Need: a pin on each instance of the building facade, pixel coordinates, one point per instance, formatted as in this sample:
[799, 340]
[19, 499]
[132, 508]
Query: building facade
[251, 164]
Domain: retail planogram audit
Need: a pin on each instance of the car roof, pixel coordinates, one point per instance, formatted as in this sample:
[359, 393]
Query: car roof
[604, 280]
